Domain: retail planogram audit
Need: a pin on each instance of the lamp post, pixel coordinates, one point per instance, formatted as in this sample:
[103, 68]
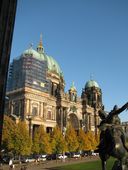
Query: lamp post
[64, 133]
[29, 118]
[12, 107]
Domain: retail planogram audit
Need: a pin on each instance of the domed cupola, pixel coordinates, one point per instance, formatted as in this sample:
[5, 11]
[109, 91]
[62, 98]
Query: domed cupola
[53, 66]
[53, 73]
[92, 94]
[91, 83]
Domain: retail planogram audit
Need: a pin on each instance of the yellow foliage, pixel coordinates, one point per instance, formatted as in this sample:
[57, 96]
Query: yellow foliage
[58, 141]
[71, 139]
[92, 140]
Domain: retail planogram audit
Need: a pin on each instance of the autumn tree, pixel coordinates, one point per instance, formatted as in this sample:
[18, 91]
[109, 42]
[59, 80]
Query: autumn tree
[83, 141]
[41, 141]
[71, 139]
[22, 140]
[92, 140]
[58, 141]
[8, 134]
[15, 138]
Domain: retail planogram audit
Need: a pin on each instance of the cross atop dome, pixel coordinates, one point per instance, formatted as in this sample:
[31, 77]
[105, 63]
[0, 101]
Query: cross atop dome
[91, 76]
[30, 45]
[40, 48]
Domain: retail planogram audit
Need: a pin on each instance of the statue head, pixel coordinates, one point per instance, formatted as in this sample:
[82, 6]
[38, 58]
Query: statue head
[115, 107]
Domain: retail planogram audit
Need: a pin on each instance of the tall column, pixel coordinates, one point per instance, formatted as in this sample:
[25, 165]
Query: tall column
[96, 123]
[89, 121]
[20, 105]
[39, 109]
[30, 107]
[64, 117]
[44, 110]
[26, 111]
[53, 112]
[30, 126]
[61, 116]
[84, 122]
[12, 107]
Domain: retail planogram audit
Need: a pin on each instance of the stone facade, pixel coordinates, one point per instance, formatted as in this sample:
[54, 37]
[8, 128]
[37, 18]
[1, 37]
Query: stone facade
[29, 100]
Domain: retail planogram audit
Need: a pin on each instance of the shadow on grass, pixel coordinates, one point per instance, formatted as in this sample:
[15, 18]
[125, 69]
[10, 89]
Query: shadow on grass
[93, 165]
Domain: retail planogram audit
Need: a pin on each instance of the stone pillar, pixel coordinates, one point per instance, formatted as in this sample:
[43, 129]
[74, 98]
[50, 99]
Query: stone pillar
[96, 123]
[64, 117]
[12, 107]
[44, 110]
[30, 107]
[53, 113]
[23, 108]
[20, 106]
[87, 122]
[39, 109]
[55, 110]
[61, 118]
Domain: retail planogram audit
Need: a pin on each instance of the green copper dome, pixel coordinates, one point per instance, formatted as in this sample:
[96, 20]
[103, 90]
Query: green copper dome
[34, 54]
[53, 66]
[91, 83]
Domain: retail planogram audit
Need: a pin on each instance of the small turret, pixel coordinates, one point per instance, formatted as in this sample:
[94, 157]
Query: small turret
[73, 93]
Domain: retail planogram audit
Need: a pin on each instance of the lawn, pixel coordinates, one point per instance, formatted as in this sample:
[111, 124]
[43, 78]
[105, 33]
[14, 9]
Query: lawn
[94, 165]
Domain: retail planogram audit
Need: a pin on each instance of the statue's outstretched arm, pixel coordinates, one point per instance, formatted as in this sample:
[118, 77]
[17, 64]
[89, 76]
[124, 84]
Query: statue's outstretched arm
[125, 106]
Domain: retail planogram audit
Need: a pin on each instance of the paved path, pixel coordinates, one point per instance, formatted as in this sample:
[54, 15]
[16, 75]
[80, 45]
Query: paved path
[48, 165]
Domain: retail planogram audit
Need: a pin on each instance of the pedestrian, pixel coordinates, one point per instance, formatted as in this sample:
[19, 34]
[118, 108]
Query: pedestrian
[11, 166]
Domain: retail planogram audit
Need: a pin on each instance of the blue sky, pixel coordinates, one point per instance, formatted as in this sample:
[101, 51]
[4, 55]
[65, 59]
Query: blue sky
[86, 37]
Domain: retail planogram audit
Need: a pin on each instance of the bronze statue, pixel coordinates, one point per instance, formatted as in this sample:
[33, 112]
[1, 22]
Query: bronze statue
[113, 139]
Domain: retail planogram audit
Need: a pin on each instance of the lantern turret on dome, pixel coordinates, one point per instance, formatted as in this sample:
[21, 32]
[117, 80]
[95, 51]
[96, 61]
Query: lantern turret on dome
[91, 83]
[73, 93]
[73, 88]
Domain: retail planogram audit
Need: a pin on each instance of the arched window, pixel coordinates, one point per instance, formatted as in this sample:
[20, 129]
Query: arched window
[34, 111]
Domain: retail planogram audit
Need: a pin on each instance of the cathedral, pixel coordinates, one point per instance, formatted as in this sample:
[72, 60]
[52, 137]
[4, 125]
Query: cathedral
[36, 94]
